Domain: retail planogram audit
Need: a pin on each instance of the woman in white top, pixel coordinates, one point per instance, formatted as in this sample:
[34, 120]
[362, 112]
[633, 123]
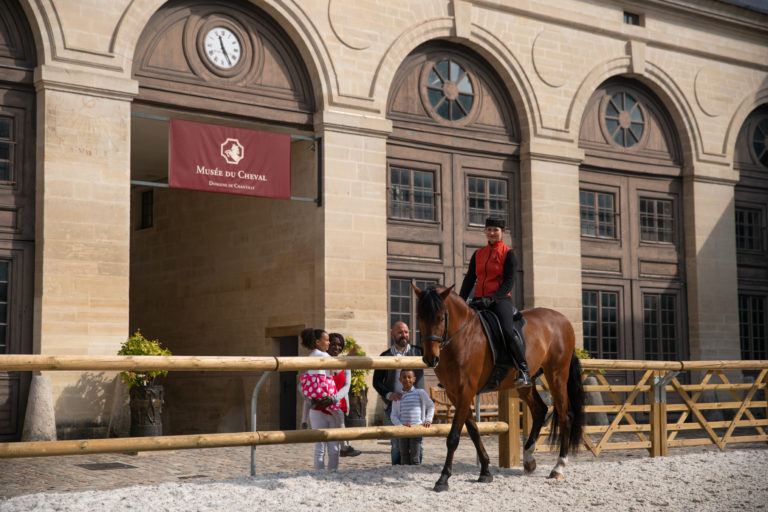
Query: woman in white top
[321, 414]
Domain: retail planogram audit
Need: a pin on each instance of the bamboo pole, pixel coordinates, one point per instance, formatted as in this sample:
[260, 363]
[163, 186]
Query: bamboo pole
[183, 442]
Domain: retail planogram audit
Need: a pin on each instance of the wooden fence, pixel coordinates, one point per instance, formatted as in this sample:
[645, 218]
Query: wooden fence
[641, 411]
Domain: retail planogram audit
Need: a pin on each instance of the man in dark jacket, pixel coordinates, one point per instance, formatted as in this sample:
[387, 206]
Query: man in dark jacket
[387, 382]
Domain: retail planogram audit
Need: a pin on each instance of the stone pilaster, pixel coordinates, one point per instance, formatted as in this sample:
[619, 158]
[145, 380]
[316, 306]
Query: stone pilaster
[710, 262]
[551, 230]
[355, 226]
[82, 231]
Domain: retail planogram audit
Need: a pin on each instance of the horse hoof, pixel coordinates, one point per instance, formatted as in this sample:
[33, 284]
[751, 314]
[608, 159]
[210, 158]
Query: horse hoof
[529, 467]
[556, 475]
[440, 487]
[485, 479]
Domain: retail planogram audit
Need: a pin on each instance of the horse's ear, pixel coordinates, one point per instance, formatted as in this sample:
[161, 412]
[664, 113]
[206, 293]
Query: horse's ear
[416, 289]
[445, 293]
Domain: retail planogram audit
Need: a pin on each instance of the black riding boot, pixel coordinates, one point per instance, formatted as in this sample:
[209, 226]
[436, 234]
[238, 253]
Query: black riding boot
[517, 347]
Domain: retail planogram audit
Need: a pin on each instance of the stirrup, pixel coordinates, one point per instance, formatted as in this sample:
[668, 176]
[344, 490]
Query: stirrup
[523, 380]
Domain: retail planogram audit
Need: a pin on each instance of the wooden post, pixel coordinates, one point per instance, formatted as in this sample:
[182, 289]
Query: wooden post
[658, 418]
[509, 441]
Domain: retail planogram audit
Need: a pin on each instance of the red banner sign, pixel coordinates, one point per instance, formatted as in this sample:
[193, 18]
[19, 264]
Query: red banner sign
[215, 158]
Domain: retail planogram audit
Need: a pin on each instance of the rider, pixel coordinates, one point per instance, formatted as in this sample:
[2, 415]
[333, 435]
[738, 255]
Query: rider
[492, 272]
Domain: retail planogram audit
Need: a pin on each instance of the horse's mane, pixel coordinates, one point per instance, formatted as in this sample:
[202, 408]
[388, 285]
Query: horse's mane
[430, 305]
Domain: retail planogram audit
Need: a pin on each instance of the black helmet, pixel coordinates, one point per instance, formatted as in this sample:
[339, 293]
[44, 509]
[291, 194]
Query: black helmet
[494, 222]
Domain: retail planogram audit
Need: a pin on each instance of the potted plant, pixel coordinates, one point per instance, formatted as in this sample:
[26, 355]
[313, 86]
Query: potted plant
[358, 389]
[146, 398]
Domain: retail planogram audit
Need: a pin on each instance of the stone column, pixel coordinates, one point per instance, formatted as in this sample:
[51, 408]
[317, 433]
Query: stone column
[710, 262]
[355, 226]
[82, 230]
[551, 229]
[354, 287]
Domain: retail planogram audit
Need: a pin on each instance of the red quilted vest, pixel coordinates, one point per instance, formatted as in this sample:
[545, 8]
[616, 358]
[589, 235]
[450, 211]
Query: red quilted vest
[489, 268]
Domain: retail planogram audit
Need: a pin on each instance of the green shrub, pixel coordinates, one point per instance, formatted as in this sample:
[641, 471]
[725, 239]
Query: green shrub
[358, 386]
[138, 345]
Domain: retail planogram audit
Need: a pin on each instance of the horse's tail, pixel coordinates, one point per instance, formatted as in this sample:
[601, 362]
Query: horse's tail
[576, 399]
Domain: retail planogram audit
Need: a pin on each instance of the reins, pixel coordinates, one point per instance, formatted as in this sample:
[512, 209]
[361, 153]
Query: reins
[441, 339]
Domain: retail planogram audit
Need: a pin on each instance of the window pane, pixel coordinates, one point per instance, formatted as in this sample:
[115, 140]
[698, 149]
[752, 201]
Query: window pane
[656, 220]
[412, 194]
[660, 326]
[434, 80]
[752, 326]
[749, 230]
[5, 128]
[486, 197]
[4, 275]
[435, 96]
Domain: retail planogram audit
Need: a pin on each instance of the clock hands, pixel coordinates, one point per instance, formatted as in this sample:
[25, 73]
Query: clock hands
[224, 50]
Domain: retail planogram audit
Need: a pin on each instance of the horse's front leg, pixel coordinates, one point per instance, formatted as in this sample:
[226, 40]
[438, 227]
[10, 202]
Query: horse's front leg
[474, 434]
[451, 443]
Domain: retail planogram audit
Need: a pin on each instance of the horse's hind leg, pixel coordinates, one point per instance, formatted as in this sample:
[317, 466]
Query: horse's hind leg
[452, 442]
[474, 434]
[538, 413]
[560, 402]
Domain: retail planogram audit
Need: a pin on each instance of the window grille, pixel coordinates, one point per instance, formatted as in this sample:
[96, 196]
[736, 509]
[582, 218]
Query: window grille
[656, 220]
[487, 198]
[600, 321]
[597, 214]
[412, 194]
[660, 326]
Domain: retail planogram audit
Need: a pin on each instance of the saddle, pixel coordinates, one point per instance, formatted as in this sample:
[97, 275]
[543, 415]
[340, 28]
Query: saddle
[500, 352]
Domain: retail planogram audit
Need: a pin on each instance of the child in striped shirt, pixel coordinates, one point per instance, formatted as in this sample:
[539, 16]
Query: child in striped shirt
[414, 408]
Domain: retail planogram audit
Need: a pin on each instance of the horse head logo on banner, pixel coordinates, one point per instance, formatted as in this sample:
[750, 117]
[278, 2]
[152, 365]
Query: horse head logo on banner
[232, 151]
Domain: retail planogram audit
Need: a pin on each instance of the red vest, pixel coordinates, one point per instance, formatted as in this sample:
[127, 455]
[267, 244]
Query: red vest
[489, 268]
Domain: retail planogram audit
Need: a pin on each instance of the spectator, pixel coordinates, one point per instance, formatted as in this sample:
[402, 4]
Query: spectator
[319, 387]
[343, 379]
[387, 382]
[414, 408]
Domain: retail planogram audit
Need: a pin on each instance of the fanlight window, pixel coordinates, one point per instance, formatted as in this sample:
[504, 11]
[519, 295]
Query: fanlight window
[760, 141]
[624, 120]
[450, 90]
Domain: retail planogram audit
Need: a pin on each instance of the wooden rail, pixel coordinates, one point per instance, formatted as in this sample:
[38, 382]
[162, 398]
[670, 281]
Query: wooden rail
[188, 442]
[641, 411]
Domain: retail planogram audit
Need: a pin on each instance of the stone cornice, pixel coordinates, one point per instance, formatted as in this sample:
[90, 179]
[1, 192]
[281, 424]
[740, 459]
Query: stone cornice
[354, 123]
[50, 77]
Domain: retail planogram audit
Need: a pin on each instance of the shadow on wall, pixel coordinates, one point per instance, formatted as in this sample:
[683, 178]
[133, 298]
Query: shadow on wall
[96, 406]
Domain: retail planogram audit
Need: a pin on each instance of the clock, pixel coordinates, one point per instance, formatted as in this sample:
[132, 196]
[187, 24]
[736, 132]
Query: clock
[222, 47]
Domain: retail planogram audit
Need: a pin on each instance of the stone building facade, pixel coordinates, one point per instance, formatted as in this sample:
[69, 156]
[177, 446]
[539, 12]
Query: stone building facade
[626, 144]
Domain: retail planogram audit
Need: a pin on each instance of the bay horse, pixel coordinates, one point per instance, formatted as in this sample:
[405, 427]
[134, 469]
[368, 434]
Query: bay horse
[456, 347]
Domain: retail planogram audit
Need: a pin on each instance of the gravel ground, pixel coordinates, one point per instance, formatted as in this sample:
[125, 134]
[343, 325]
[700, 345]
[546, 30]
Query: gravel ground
[732, 480]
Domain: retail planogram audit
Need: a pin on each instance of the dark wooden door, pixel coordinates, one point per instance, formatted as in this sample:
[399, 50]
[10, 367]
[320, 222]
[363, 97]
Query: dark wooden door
[17, 210]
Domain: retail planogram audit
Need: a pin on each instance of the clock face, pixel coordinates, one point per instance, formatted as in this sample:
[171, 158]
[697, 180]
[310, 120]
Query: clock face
[222, 47]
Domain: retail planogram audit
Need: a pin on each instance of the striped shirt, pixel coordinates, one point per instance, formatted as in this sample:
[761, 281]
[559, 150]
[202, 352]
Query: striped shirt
[410, 408]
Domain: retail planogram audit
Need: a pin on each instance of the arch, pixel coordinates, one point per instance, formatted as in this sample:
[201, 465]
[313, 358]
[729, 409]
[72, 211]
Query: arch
[487, 45]
[288, 15]
[657, 81]
[749, 103]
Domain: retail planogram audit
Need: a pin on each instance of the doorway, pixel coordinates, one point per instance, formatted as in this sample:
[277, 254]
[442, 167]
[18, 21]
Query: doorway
[289, 347]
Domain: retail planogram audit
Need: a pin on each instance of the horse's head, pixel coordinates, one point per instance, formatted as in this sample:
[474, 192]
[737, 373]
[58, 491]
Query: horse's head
[433, 321]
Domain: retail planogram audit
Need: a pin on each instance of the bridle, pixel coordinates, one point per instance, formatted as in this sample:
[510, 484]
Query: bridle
[441, 339]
